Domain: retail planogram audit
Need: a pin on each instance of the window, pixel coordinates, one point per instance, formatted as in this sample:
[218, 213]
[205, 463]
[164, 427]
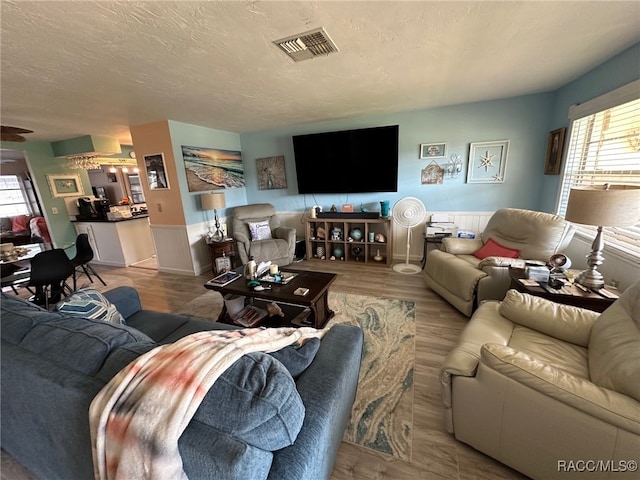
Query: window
[13, 197]
[604, 147]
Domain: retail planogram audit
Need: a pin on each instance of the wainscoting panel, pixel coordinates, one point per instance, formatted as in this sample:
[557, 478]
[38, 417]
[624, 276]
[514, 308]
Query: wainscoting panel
[173, 249]
[201, 257]
[471, 221]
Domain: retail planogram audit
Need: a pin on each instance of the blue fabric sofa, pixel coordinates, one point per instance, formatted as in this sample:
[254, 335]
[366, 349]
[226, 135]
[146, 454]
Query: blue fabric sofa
[53, 365]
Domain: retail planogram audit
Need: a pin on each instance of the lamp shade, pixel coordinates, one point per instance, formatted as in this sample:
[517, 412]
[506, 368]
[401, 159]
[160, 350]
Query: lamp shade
[212, 201]
[618, 206]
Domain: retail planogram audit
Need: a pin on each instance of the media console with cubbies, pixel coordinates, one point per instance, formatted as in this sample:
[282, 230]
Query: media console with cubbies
[362, 250]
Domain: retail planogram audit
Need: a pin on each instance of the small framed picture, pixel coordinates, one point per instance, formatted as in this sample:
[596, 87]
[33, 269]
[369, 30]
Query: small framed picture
[223, 264]
[555, 143]
[433, 150]
[156, 171]
[65, 185]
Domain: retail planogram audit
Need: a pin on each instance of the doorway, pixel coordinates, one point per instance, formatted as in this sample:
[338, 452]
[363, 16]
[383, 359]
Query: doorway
[23, 219]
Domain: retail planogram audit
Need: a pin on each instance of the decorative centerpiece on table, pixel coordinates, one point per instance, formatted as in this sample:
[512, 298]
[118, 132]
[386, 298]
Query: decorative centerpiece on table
[13, 254]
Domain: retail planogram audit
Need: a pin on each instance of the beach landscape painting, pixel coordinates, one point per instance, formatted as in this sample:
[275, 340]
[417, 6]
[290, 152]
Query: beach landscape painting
[212, 168]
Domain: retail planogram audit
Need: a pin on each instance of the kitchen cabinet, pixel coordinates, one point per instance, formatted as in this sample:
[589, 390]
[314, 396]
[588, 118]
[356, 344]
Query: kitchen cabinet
[119, 243]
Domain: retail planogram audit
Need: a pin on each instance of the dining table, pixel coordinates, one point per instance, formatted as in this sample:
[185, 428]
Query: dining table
[15, 263]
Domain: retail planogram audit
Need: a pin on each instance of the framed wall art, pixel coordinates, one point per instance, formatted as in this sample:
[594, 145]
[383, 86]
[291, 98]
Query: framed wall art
[555, 144]
[433, 150]
[212, 168]
[271, 173]
[432, 174]
[65, 185]
[156, 171]
[487, 162]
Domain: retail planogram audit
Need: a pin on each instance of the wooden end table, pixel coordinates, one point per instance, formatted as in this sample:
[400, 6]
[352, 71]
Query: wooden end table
[568, 295]
[226, 247]
[310, 310]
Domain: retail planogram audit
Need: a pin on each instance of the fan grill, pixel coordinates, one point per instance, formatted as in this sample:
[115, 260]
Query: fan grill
[408, 212]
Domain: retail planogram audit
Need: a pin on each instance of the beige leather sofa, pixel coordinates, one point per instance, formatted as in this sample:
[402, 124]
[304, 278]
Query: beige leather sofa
[465, 281]
[549, 389]
[279, 248]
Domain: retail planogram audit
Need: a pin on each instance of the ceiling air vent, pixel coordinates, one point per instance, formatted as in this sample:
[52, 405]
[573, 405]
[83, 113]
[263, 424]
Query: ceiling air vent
[307, 45]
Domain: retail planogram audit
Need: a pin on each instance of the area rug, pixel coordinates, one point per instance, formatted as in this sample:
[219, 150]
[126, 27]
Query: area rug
[382, 416]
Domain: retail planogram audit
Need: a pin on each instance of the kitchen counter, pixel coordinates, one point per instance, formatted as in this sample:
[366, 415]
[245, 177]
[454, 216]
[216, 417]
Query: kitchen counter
[104, 220]
[118, 243]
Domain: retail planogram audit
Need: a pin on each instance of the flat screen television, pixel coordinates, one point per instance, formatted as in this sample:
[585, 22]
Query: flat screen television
[349, 161]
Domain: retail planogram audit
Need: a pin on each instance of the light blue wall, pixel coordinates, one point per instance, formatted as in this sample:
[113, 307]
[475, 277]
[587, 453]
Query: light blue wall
[196, 136]
[521, 120]
[614, 73]
[41, 161]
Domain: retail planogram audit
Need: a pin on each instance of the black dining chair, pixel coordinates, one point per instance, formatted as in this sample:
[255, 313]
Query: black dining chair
[15, 275]
[49, 272]
[84, 254]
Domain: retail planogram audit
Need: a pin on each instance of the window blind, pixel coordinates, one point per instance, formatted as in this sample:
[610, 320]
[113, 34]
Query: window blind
[13, 199]
[604, 147]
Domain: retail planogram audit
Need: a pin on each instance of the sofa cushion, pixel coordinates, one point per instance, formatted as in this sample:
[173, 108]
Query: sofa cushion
[297, 359]
[494, 249]
[162, 327]
[19, 317]
[614, 346]
[234, 459]
[166, 328]
[79, 343]
[89, 303]
[260, 230]
[267, 410]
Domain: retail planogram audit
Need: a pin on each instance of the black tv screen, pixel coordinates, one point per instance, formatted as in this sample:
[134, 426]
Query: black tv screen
[349, 161]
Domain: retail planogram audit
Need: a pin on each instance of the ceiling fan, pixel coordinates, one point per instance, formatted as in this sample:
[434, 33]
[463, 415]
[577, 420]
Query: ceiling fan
[13, 134]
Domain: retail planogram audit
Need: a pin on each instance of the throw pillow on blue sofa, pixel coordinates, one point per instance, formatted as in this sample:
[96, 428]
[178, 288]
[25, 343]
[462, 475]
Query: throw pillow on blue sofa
[89, 303]
[256, 401]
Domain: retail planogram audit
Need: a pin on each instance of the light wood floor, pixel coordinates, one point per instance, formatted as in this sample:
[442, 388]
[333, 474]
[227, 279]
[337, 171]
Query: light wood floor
[436, 454]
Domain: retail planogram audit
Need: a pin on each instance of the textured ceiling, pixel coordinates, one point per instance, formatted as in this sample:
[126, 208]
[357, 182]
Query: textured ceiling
[76, 68]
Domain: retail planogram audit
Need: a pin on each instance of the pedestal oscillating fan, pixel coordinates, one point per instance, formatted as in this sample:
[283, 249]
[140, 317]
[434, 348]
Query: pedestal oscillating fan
[408, 212]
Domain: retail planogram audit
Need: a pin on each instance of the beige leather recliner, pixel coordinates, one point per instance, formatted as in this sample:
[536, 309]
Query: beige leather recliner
[465, 281]
[538, 385]
[279, 248]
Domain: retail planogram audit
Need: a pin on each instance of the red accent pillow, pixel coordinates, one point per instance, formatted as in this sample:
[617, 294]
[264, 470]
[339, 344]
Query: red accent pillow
[494, 249]
[20, 223]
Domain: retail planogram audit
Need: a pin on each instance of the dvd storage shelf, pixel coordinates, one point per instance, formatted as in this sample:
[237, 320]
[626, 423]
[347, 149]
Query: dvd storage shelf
[367, 240]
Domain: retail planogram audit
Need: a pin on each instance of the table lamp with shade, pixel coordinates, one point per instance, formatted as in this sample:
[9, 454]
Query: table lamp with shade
[602, 206]
[213, 201]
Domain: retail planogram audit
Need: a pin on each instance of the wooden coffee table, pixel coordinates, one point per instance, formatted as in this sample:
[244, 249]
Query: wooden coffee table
[311, 309]
[569, 295]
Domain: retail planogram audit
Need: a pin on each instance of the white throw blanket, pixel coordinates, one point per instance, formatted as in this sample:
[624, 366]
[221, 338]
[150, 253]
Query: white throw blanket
[138, 417]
